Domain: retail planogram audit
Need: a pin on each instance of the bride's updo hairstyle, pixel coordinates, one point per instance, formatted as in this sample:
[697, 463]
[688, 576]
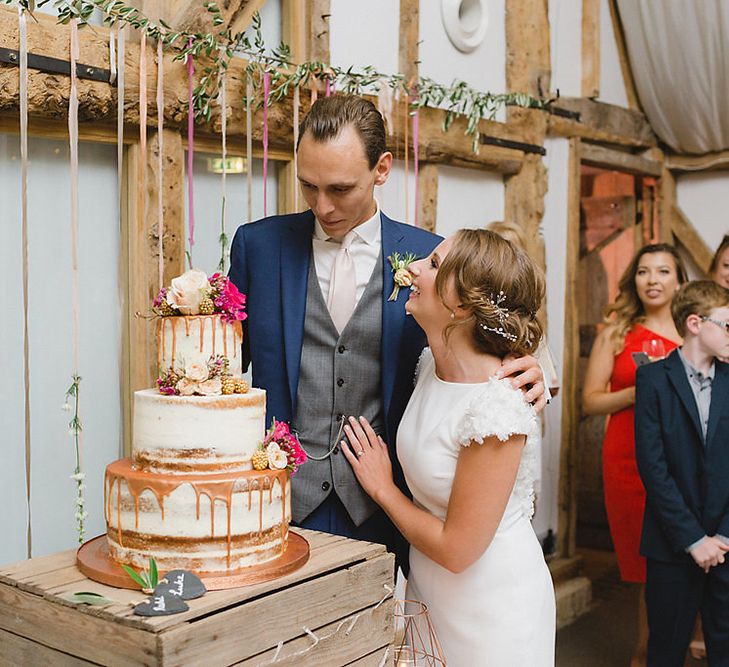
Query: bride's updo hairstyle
[501, 288]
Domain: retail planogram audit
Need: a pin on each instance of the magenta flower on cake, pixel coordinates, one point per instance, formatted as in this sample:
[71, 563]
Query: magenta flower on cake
[280, 439]
[227, 299]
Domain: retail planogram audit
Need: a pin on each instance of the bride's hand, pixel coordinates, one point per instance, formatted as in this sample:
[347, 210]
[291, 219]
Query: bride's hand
[367, 454]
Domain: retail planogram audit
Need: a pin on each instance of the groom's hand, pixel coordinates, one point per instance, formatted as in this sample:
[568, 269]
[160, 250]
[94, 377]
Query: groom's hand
[526, 374]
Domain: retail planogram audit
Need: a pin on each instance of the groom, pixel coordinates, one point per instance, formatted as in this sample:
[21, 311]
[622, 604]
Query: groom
[322, 334]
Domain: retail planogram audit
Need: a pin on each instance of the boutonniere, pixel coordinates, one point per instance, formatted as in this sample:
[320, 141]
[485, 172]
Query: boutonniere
[401, 275]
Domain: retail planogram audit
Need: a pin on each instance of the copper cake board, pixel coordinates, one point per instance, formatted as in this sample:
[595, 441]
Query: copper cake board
[95, 562]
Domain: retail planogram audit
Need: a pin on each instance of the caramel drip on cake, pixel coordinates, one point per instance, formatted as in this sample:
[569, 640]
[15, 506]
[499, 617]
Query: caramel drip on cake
[283, 513]
[221, 490]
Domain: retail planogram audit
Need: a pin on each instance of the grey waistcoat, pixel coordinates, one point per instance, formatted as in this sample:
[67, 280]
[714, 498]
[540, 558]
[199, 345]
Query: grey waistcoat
[339, 375]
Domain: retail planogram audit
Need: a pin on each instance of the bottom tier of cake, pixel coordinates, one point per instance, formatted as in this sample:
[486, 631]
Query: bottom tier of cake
[202, 523]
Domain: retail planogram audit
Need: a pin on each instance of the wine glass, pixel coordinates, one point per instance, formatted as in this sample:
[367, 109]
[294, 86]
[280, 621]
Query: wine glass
[654, 348]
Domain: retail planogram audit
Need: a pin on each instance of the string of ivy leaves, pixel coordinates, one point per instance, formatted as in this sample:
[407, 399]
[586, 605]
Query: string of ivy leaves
[216, 49]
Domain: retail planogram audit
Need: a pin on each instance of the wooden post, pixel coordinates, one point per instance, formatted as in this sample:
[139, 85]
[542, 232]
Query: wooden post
[590, 48]
[567, 503]
[293, 28]
[428, 192]
[666, 205]
[409, 51]
[140, 243]
[318, 22]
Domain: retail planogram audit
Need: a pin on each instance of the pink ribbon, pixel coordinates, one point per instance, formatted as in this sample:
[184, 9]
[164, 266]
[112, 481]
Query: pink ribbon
[407, 159]
[249, 145]
[266, 92]
[190, 151]
[160, 162]
[297, 107]
[416, 143]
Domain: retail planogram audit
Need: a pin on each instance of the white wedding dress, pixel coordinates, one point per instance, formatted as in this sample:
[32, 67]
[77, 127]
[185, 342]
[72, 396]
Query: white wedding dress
[500, 611]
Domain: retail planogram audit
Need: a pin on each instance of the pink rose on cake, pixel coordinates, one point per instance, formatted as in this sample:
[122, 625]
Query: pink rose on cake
[280, 449]
[188, 291]
[197, 371]
[211, 387]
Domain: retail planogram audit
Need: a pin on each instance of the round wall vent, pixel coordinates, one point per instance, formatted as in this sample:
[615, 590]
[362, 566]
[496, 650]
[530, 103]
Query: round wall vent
[465, 22]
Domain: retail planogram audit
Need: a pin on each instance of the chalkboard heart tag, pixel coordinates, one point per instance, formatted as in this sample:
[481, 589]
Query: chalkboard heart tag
[182, 584]
[161, 605]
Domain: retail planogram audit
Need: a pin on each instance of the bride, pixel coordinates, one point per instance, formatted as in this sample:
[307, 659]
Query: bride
[466, 447]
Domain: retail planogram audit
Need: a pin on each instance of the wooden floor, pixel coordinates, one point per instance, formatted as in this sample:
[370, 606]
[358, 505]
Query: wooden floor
[604, 637]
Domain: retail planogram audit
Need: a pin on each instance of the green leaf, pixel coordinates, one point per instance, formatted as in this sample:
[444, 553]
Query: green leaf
[87, 597]
[135, 576]
[153, 575]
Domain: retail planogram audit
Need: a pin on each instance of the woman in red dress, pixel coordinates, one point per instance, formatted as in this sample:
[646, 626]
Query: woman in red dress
[639, 321]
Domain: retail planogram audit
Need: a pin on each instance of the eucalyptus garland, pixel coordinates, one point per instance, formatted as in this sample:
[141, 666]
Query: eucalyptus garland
[220, 47]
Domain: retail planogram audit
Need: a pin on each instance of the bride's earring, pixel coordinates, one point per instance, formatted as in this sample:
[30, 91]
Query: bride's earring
[453, 314]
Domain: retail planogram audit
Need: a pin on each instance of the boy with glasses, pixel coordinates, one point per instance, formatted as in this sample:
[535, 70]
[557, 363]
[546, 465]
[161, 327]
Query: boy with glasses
[682, 450]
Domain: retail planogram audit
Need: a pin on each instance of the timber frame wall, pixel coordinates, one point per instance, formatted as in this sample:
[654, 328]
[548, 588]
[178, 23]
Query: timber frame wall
[604, 134]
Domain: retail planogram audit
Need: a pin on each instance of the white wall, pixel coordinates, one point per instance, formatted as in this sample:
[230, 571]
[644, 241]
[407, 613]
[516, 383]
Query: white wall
[365, 33]
[468, 198]
[612, 86]
[483, 69]
[565, 20]
[52, 453]
[704, 198]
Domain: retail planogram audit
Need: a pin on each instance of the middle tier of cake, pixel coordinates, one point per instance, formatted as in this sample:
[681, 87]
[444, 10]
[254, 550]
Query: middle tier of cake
[197, 434]
[203, 522]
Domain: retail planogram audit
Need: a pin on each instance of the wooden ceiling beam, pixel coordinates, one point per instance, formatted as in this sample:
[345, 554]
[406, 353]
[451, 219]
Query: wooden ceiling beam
[609, 158]
[690, 239]
[237, 15]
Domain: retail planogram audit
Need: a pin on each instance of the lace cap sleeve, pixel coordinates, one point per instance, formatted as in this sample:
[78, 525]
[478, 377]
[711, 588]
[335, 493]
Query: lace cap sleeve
[497, 410]
[426, 357]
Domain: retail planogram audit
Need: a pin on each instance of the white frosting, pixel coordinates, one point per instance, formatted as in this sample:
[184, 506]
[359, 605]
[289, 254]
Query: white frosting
[267, 510]
[183, 339]
[197, 430]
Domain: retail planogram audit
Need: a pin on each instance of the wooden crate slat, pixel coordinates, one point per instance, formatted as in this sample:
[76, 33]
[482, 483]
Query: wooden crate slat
[335, 554]
[374, 659]
[373, 627]
[246, 630]
[40, 583]
[35, 566]
[71, 631]
[16, 650]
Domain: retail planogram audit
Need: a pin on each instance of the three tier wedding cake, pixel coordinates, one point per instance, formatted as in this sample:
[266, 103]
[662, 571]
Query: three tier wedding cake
[206, 489]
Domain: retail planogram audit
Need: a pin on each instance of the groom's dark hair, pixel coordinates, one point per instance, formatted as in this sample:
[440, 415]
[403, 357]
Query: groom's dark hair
[328, 116]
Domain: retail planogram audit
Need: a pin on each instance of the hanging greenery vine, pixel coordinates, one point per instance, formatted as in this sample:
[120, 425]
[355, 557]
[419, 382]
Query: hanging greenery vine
[220, 47]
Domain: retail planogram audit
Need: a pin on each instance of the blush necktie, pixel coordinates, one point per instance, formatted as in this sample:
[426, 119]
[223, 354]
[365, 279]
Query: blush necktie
[342, 285]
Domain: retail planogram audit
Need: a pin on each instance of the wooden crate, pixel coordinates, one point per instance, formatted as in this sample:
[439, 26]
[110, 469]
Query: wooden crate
[338, 595]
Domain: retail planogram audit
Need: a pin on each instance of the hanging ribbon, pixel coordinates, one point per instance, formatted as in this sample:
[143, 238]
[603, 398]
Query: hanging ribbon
[112, 59]
[160, 163]
[75, 424]
[297, 107]
[407, 158]
[224, 147]
[120, 117]
[143, 124]
[416, 144]
[266, 92]
[249, 144]
[190, 141]
[384, 104]
[314, 90]
[23, 32]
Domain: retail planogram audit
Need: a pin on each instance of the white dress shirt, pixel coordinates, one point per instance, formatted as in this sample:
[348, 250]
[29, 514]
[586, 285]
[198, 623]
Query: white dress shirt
[364, 250]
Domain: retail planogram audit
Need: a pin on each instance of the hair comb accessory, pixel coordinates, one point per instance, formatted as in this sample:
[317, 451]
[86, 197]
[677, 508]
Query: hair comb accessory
[502, 313]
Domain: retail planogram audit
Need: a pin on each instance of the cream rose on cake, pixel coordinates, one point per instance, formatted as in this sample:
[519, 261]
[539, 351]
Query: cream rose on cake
[187, 291]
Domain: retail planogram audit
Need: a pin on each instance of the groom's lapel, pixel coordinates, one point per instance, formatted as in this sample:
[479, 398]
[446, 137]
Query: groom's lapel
[294, 267]
[393, 312]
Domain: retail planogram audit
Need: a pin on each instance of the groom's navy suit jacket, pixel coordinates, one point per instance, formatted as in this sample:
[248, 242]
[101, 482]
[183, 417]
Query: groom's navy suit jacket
[686, 475]
[269, 263]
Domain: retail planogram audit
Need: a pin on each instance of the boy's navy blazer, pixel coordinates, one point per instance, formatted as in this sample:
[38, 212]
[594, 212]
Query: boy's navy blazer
[270, 263]
[686, 476]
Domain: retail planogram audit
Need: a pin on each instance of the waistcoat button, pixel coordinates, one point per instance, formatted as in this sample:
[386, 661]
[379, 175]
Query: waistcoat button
[325, 486]
[340, 382]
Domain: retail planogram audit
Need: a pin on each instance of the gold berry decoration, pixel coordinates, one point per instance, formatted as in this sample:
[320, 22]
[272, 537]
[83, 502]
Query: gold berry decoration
[166, 310]
[227, 384]
[207, 307]
[241, 386]
[259, 460]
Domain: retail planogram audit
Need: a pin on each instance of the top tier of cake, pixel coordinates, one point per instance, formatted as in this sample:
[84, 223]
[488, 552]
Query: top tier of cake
[185, 339]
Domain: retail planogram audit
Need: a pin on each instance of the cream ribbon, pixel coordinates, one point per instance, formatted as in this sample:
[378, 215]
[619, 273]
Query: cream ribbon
[23, 34]
[73, 145]
[224, 147]
[297, 107]
[249, 145]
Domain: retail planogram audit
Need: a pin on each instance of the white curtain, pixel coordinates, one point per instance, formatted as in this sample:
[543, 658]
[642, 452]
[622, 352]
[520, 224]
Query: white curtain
[679, 55]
